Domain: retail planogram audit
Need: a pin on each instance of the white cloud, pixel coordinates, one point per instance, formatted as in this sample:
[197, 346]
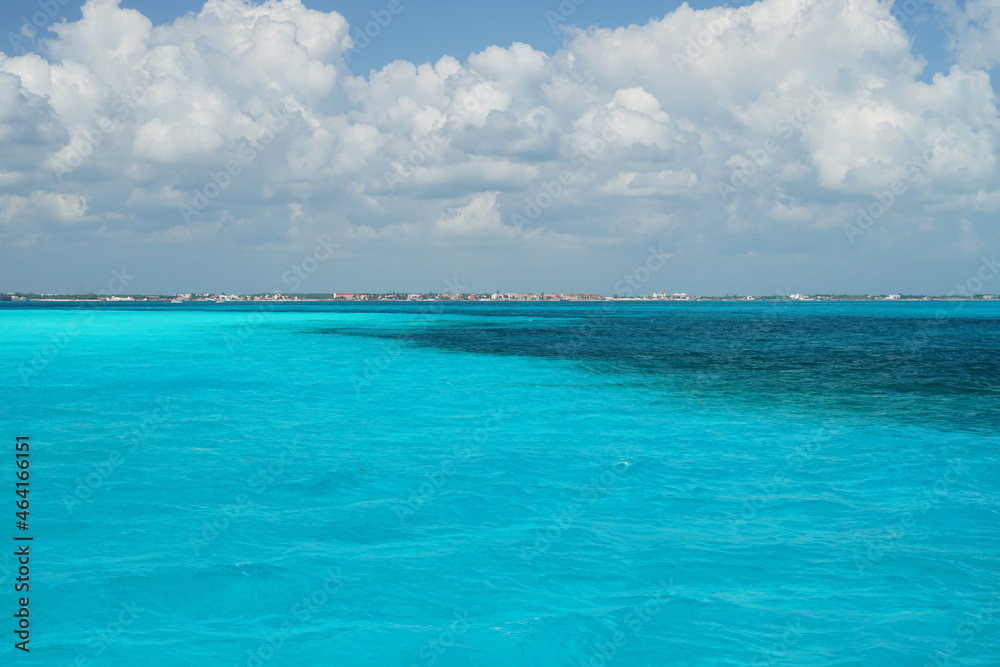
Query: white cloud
[12, 208]
[976, 37]
[480, 217]
[660, 184]
[815, 103]
[62, 207]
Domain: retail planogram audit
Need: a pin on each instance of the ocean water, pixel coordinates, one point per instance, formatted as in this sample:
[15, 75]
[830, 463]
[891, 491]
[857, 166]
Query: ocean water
[506, 484]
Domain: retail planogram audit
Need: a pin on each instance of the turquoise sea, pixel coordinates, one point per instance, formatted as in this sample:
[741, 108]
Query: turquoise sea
[461, 484]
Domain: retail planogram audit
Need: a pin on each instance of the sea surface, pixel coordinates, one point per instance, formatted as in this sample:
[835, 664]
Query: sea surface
[459, 484]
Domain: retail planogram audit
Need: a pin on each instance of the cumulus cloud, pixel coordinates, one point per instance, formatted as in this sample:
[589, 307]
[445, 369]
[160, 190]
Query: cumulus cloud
[711, 130]
[480, 217]
[976, 37]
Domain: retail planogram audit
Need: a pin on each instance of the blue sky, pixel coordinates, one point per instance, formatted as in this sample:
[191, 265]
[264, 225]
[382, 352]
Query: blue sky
[778, 146]
[426, 30]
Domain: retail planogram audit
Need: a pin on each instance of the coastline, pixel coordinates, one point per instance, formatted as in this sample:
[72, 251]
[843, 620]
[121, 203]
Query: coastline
[487, 299]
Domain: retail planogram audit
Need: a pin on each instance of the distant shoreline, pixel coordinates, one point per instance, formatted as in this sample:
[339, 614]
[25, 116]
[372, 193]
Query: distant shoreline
[474, 298]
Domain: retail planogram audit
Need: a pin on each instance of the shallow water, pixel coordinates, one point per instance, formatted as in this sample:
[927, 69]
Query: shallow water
[508, 484]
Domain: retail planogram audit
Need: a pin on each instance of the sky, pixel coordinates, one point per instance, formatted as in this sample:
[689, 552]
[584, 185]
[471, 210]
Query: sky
[779, 146]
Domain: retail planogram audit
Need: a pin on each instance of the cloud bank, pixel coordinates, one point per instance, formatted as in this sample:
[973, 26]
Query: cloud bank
[788, 139]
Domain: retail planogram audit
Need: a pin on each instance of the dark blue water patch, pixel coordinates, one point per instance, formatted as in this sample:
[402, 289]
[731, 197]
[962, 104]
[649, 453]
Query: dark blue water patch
[867, 359]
